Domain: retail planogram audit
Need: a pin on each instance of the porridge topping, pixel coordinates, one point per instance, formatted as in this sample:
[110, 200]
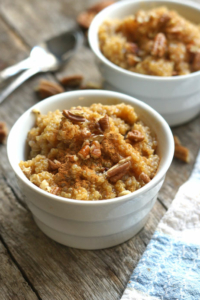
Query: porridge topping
[91, 153]
[157, 42]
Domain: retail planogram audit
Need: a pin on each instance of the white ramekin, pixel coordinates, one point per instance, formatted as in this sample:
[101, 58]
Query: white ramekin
[176, 98]
[90, 224]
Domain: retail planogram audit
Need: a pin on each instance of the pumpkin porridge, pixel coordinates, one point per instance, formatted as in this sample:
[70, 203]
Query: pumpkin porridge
[157, 42]
[91, 153]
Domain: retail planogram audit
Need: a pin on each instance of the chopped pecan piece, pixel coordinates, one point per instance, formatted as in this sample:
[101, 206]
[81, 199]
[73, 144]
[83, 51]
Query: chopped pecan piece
[73, 116]
[85, 134]
[132, 48]
[54, 165]
[104, 123]
[84, 153]
[160, 45]
[119, 170]
[71, 158]
[3, 132]
[135, 136]
[55, 190]
[180, 151]
[95, 150]
[71, 81]
[196, 62]
[144, 177]
[48, 88]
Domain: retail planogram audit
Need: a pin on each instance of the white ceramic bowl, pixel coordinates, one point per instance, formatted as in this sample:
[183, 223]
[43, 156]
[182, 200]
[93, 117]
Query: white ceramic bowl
[176, 98]
[86, 224]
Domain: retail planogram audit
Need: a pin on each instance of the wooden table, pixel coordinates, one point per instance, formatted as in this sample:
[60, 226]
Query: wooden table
[31, 265]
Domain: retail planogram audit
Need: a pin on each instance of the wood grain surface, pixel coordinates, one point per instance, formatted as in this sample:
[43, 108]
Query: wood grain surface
[32, 265]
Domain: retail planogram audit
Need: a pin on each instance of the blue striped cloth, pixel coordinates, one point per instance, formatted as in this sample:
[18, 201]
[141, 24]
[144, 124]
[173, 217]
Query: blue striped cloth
[170, 267]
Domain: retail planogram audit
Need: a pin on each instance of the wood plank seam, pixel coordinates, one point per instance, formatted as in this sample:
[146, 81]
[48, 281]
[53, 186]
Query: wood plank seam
[14, 31]
[19, 268]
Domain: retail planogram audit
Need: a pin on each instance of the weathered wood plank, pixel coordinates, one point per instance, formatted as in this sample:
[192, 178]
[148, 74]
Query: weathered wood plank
[59, 272]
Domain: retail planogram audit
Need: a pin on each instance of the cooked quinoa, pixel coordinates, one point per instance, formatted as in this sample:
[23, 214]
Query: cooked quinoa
[157, 42]
[91, 153]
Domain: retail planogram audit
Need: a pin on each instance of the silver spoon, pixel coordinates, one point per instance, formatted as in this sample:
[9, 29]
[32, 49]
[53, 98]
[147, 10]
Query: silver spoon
[47, 56]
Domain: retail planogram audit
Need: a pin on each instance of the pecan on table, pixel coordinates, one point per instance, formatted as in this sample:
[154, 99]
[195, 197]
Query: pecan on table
[135, 136]
[48, 88]
[159, 45]
[74, 115]
[71, 81]
[3, 132]
[180, 151]
[119, 170]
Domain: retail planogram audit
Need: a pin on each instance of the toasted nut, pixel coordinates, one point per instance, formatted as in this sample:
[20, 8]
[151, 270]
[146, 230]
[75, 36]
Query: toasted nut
[84, 153]
[71, 158]
[144, 177]
[71, 116]
[160, 45]
[118, 171]
[27, 172]
[132, 48]
[85, 134]
[54, 165]
[71, 81]
[124, 193]
[55, 190]
[3, 132]
[36, 111]
[85, 18]
[95, 149]
[104, 123]
[135, 136]
[47, 88]
[196, 62]
[180, 151]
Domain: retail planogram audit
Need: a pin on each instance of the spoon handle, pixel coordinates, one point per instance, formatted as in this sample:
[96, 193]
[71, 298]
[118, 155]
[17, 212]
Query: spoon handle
[15, 69]
[17, 82]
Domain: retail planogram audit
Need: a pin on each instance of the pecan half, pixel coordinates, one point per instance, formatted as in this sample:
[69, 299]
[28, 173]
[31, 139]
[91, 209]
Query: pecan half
[180, 151]
[54, 165]
[196, 62]
[104, 123]
[144, 177]
[55, 190]
[135, 136]
[3, 132]
[71, 81]
[72, 116]
[85, 18]
[119, 170]
[160, 45]
[84, 153]
[48, 88]
[95, 150]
